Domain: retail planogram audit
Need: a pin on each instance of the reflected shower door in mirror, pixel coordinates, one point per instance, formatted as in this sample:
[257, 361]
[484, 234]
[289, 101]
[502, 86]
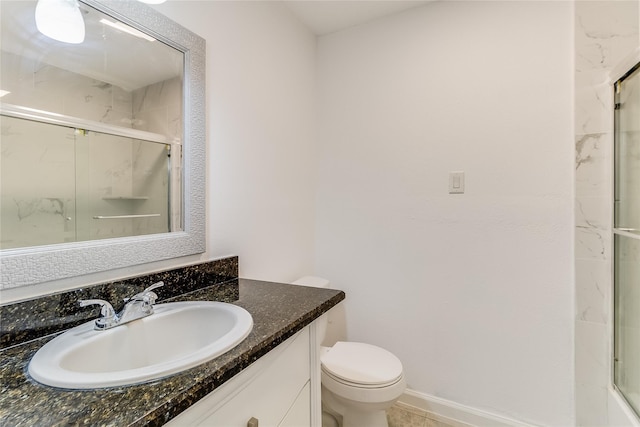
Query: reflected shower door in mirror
[91, 132]
[626, 233]
[61, 184]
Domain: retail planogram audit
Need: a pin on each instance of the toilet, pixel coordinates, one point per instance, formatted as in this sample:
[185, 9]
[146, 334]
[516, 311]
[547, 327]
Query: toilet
[359, 381]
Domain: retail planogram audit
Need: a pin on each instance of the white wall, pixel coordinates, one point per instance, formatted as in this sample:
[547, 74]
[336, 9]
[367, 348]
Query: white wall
[473, 292]
[260, 139]
[260, 86]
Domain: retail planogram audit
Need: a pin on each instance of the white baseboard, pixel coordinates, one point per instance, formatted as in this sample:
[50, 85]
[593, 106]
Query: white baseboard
[446, 409]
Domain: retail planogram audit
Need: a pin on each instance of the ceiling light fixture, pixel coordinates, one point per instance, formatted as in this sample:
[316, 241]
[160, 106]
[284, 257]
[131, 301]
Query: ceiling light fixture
[60, 20]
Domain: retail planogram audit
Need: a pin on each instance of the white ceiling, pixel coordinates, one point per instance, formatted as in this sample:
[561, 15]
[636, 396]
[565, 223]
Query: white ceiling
[328, 16]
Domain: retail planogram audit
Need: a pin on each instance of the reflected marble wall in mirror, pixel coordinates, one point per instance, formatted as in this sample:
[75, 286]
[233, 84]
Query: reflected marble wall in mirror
[103, 139]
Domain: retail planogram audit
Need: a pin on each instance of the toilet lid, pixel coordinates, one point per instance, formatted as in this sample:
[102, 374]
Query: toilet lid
[361, 363]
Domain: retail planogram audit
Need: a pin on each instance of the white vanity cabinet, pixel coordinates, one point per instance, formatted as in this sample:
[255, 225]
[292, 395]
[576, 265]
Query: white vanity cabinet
[281, 389]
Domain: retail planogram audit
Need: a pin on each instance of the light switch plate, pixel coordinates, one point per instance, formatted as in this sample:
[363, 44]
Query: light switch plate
[456, 182]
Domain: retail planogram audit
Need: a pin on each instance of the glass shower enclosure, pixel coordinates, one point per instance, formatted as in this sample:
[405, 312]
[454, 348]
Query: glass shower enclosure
[626, 236]
[64, 183]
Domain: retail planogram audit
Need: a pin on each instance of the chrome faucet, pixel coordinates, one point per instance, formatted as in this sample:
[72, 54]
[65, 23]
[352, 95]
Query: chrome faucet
[108, 317]
[138, 306]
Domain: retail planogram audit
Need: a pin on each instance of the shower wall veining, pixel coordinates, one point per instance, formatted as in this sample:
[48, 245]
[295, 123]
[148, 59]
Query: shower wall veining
[50, 212]
[605, 33]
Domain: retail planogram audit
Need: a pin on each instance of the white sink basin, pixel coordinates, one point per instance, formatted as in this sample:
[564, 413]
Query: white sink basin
[178, 336]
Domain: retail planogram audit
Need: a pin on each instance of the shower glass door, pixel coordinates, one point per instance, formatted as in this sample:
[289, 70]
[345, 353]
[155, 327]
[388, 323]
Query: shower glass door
[626, 235]
[37, 183]
[62, 184]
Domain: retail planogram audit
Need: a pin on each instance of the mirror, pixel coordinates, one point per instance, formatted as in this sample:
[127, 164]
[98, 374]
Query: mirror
[103, 141]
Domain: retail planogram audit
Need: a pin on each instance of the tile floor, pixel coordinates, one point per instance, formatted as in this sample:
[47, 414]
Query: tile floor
[401, 415]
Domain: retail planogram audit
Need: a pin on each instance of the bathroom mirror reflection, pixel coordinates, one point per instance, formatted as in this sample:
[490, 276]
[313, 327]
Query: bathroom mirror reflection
[91, 131]
[102, 161]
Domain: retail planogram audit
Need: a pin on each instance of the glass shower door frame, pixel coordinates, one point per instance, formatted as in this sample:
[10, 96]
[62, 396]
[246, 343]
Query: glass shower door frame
[625, 240]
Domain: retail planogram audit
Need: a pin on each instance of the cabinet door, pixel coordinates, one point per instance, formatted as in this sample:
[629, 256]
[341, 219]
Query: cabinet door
[300, 412]
[265, 390]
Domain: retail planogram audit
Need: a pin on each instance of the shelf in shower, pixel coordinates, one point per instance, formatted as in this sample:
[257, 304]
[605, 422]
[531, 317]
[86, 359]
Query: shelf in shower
[125, 216]
[126, 198]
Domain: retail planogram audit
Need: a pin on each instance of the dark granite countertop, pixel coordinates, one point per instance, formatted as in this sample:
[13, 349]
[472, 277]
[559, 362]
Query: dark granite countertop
[278, 310]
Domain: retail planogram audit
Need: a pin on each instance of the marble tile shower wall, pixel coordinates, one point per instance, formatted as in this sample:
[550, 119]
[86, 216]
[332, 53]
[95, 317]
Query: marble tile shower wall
[46, 211]
[158, 108]
[605, 33]
[45, 87]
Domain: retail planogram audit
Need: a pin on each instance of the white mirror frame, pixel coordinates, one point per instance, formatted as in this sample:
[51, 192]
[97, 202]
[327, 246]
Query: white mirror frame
[28, 266]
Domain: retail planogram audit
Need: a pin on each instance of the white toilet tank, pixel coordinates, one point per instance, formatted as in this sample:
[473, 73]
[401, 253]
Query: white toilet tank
[317, 282]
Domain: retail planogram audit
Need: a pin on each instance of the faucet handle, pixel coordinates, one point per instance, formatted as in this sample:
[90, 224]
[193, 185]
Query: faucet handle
[150, 297]
[147, 297]
[107, 313]
[107, 309]
[152, 287]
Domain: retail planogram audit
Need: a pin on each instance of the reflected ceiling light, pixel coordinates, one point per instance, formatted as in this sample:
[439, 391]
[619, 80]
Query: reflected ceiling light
[60, 20]
[152, 1]
[127, 29]
[4, 92]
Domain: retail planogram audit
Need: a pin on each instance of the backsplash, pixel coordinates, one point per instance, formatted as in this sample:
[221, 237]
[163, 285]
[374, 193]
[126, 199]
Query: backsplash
[31, 319]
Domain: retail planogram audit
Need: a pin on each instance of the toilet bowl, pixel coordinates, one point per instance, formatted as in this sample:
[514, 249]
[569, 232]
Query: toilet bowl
[359, 381]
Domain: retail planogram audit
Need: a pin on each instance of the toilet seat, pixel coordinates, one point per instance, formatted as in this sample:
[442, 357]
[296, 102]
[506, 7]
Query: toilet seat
[334, 379]
[361, 365]
[359, 394]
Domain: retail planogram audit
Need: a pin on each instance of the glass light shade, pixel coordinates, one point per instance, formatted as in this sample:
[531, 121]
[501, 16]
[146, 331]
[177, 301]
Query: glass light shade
[60, 20]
